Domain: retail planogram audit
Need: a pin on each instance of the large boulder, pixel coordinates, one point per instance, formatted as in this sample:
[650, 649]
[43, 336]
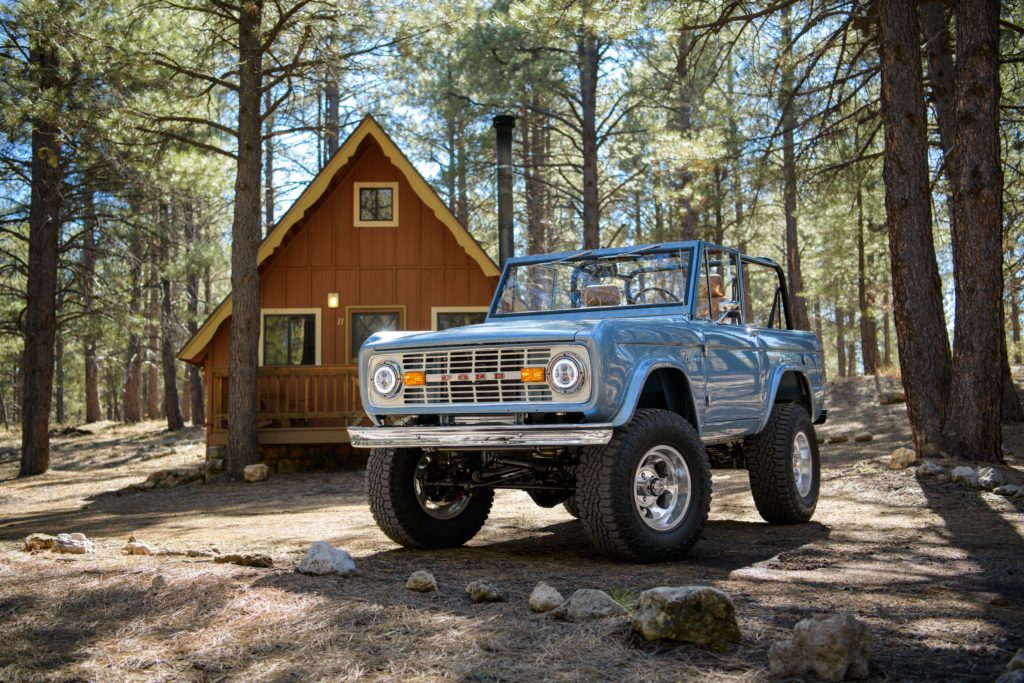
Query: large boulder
[1008, 490]
[589, 604]
[832, 648]
[323, 558]
[902, 458]
[481, 591]
[38, 542]
[689, 614]
[965, 474]
[75, 544]
[421, 581]
[989, 478]
[544, 598]
[258, 472]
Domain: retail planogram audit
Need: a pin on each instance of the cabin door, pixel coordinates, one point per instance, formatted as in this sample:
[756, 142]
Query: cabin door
[365, 321]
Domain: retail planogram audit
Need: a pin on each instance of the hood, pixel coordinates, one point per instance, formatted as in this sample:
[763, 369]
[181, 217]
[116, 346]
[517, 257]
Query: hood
[499, 332]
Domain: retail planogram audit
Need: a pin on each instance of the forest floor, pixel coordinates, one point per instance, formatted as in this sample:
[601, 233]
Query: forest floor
[935, 570]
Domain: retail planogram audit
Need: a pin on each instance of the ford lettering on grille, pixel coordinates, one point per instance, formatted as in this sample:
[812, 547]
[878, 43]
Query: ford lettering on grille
[476, 375]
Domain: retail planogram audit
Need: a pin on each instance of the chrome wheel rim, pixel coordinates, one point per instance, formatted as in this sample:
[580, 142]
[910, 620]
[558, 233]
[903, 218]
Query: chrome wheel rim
[803, 467]
[444, 508]
[662, 488]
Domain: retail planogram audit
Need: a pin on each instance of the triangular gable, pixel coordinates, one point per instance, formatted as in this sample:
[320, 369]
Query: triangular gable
[311, 195]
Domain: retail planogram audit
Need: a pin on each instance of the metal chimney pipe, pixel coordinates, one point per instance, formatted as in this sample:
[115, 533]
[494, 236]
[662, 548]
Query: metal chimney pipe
[504, 124]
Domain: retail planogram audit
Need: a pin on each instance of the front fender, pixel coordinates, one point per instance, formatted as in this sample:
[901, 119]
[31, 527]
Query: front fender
[635, 383]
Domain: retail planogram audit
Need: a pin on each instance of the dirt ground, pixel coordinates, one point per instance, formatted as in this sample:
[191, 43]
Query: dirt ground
[936, 570]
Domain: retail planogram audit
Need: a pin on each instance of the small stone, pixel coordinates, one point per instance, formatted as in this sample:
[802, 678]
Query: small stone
[588, 604]
[691, 614]
[258, 472]
[159, 582]
[481, 591]
[37, 542]
[839, 438]
[137, 548]
[251, 560]
[989, 478]
[544, 598]
[931, 469]
[323, 558]
[74, 544]
[421, 581]
[901, 458]
[832, 648]
[194, 552]
[967, 475]
[1008, 490]
[864, 438]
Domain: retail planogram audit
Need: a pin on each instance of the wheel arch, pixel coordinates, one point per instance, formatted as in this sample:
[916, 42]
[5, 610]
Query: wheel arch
[664, 387]
[788, 385]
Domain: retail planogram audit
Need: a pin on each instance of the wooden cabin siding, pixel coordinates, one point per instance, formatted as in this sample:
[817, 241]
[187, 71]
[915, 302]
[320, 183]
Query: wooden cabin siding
[417, 265]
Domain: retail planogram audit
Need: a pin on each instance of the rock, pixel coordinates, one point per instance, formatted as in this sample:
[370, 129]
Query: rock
[251, 560]
[481, 591]
[544, 598]
[136, 548]
[588, 604]
[323, 558]
[159, 582]
[257, 472]
[215, 464]
[892, 399]
[901, 458]
[832, 648]
[194, 552]
[75, 544]
[421, 581]
[690, 614]
[931, 469]
[965, 474]
[1008, 490]
[163, 479]
[838, 438]
[989, 478]
[37, 542]
[864, 438]
[1016, 662]
[1012, 677]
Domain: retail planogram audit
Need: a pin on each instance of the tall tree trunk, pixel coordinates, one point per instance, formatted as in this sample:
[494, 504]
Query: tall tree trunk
[268, 168]
[972, 428]
[58, 389]
[243, 443]
[195, 380]
[589, 61]
[534, 159]
[332, 123]
[152, 384]
[132, 404]
[787, 103]
[41, 286]
[865, 296]
[819, 331]
[1015, 319]
[461, 178]
[886, 330]
[841, 341]
[172, 409]
[851, 355]
[684, 122]
[917, 291]
[93, 411]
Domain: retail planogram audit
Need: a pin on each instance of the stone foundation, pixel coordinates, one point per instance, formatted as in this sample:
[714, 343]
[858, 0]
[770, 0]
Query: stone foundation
[304, 458]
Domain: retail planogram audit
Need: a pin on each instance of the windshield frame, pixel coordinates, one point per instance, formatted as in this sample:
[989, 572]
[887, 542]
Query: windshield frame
[691, 248]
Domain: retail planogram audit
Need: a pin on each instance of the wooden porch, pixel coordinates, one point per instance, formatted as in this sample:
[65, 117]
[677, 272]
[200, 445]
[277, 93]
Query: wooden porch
[297, 405]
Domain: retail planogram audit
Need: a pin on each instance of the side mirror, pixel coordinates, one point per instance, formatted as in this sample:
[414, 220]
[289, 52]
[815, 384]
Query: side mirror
[727, 308]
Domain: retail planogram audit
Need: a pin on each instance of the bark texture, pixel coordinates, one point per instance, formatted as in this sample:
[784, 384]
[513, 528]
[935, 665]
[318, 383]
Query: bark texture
[168, 327]
[197, 410]
[921, 336]
[589, 60]
[243, 444]
[93, 410]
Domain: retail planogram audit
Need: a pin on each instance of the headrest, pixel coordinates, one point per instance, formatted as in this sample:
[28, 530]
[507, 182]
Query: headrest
[717, 287]
[601, 295]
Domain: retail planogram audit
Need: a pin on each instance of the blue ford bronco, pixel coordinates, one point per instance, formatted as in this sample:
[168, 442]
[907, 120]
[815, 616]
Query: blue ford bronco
[605, 380]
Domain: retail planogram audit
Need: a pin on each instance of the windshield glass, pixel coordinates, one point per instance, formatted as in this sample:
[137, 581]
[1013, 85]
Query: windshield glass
[586, 281]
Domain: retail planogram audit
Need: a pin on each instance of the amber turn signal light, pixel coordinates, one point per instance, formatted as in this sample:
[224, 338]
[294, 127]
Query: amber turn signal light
[414, 379]
[533, 374]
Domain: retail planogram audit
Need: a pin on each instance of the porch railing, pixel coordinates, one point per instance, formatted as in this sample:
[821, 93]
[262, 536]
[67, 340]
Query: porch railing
[295, 397]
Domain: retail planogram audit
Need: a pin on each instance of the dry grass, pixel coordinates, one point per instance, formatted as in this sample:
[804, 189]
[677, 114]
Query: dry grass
[934, 569]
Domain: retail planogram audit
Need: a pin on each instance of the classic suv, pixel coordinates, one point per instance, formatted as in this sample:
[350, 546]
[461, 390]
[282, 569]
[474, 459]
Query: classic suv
[601, 380]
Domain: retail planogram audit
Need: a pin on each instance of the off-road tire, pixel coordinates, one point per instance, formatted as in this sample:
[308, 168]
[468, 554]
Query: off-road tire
[604, 489]
[770, 466]
[571, 507]
[389, 486]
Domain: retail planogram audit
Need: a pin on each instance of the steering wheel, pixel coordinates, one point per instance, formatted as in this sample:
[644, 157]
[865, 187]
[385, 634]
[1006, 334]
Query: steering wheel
[669, 297]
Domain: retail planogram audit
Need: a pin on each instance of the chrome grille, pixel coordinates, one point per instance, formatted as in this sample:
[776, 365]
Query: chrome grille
[467, 363]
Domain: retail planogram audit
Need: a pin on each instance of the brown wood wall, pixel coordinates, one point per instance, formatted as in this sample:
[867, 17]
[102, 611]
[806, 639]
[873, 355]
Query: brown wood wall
[417, 264]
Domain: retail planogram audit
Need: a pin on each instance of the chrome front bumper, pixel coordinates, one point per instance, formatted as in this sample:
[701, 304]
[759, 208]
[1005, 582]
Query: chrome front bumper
[466, 437]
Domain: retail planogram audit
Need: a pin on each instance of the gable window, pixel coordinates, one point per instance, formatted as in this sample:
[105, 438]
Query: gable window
[446, 317]
[364, 322]
[376, 205]
[290, 337]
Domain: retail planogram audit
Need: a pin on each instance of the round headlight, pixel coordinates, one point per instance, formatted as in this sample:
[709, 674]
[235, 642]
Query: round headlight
[565, 374]
[387, 379]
